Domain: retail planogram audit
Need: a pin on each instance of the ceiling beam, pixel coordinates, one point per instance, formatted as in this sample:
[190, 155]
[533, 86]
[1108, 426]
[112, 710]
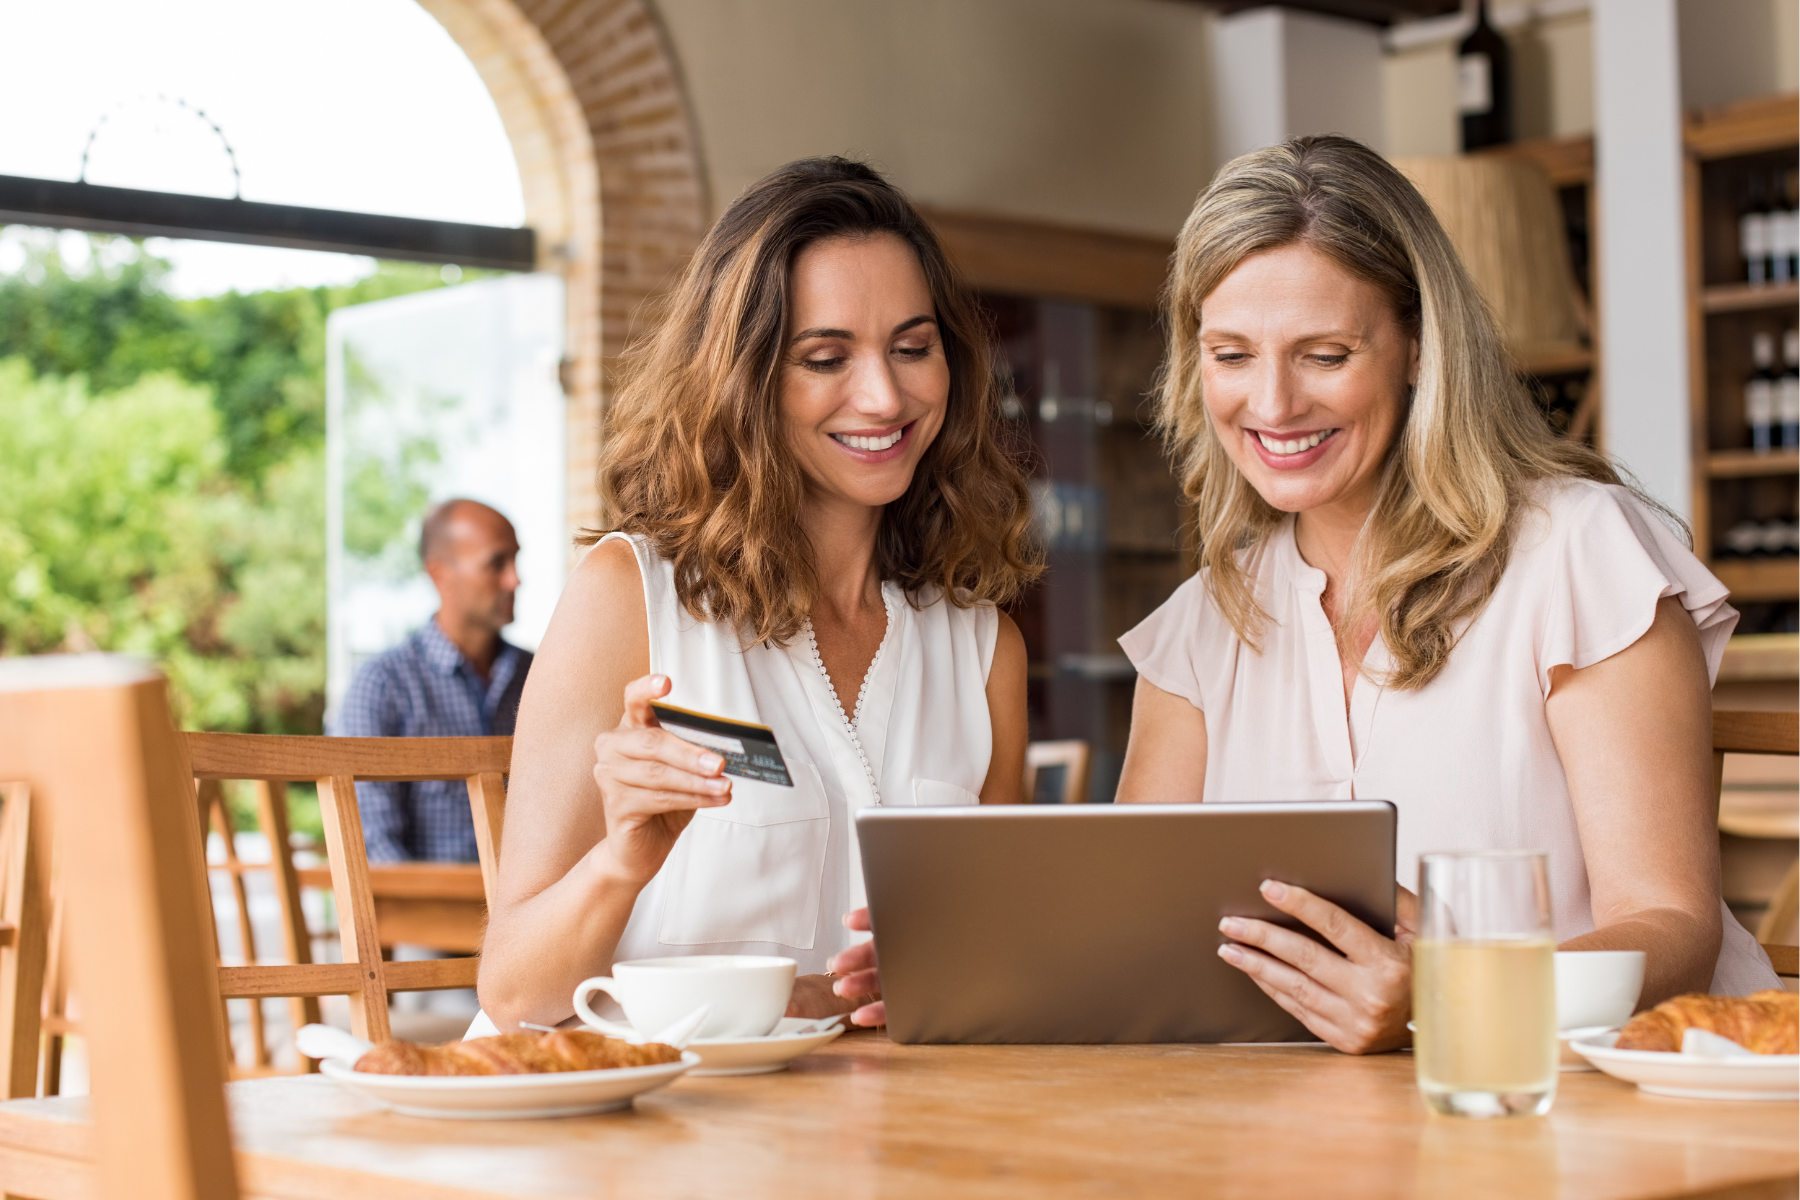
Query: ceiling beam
[1376, 12]
[135, 213]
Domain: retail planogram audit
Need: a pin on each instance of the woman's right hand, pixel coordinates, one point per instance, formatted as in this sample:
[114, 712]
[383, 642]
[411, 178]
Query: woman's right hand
[650, 784]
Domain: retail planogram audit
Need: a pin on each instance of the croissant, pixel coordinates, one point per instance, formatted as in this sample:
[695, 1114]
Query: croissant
[515, 1054]
[1766, 1022]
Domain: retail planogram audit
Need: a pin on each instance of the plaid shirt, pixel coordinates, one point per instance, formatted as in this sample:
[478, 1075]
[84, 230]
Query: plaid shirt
[424, 687]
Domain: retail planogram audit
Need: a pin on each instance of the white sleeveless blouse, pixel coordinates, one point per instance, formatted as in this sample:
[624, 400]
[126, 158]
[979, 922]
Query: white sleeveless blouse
[774, 871]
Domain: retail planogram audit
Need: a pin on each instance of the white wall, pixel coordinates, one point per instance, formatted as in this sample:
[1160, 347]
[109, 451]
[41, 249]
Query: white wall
[1278, 73]
[1083, 112]
[1642, 269]
[1738, 49]
[1730, 50]
[1553, 76]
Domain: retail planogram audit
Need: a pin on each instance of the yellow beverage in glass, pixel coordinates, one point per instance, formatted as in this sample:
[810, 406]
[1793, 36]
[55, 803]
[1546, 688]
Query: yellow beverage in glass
[1484, 984]
[1485, 1017]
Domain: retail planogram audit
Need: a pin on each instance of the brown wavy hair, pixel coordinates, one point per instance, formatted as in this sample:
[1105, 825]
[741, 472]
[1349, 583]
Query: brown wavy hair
[695, 457]
[1472, 444]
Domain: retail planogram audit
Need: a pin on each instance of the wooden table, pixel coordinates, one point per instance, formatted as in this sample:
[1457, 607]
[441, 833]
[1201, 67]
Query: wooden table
[866, 1118]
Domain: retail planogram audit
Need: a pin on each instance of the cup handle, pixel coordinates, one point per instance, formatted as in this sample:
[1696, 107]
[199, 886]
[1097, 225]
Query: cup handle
[600, 983]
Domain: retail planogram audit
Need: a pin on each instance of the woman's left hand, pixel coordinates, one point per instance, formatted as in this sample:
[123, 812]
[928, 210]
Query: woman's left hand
[1357, 998]
[859, 978]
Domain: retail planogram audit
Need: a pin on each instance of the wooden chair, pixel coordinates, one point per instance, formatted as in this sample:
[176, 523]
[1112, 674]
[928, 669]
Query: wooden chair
[1069, 758]
[1763, 733]
[272, 819]
[24, 936]
[409, 899]
[91, 738]
[335, 764]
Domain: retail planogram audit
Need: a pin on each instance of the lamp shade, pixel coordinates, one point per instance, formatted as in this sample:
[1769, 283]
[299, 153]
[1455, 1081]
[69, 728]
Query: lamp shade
[1506, 222]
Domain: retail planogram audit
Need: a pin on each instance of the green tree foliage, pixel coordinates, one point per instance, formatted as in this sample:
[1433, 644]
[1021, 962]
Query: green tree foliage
[163, 478]
[261, 353]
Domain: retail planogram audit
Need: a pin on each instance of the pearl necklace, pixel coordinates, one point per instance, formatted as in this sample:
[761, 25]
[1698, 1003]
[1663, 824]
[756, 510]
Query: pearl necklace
[849, 720]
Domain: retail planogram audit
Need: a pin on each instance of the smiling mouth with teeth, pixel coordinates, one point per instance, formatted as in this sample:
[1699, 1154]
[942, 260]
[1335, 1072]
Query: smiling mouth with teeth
[869, 443]
[1292, 445]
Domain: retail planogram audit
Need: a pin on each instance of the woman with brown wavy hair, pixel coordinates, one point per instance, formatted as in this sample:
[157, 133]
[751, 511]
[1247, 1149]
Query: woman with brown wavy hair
[1412, 590]
[813, 525]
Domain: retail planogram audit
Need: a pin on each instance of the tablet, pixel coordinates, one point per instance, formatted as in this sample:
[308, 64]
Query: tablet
[1099, 923]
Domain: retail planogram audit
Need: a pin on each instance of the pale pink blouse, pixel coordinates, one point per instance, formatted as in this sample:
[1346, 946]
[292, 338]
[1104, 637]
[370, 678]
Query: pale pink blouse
[1467, 759]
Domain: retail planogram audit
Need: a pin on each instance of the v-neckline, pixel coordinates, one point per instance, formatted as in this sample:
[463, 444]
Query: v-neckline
[1339, 718]
[859, 764]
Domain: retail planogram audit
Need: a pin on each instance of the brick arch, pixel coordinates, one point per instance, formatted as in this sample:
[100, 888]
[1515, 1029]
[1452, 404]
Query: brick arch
[592, 101]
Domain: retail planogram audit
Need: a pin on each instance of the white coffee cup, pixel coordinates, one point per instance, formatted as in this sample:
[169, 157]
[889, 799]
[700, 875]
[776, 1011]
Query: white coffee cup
[1597, 988]
[748, 993]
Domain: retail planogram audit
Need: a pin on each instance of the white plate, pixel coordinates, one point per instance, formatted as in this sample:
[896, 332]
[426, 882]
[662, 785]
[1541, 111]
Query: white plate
[752, 1056]
[1566, 1057]
[485, 1097]
[1764, 1077]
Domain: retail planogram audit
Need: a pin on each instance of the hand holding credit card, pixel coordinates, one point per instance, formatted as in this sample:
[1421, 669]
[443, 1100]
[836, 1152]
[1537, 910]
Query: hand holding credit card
[749, 751]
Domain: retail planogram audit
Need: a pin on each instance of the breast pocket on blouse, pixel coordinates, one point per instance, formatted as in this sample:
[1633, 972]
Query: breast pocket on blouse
[931, 793]
[751, 871]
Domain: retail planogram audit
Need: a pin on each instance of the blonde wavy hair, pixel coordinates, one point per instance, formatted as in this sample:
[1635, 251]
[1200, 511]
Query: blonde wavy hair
[695, 457]
[1471, 441]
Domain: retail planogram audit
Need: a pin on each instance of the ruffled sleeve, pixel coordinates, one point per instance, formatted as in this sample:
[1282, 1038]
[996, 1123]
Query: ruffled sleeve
[1162, 646]
[1610, 560]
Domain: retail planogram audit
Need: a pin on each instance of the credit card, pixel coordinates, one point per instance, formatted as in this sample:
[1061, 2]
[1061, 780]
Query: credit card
[749, 750]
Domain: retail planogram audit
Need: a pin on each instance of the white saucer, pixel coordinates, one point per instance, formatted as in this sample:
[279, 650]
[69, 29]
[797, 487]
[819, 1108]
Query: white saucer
[1693, 1077]
[757, 1055]
[487, 1097]
[1567, 1059]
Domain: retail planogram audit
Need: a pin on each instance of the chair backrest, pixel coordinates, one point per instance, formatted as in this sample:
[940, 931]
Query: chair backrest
[272, 821]
[335, 764]
[91, 737]
[1764, 733]
[24, 936]
[1069, 759]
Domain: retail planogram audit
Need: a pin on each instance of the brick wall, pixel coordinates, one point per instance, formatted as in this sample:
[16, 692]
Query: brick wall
[593, 103]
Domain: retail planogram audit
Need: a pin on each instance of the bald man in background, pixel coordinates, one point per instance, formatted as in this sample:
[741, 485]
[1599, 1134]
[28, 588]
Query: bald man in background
[456, 677]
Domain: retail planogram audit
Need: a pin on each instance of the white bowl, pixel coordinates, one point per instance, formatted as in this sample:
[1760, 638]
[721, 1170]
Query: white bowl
[1597, 987]
[487, 1097]
[1692, 1077]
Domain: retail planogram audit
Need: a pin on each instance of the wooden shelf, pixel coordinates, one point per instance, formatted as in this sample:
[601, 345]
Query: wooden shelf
[1568, 161]
[1553, 359]
[1726, 149]
[1744, 297]
[1754, 657]
[1747, 127]
[1743, 464]
[1760, 578]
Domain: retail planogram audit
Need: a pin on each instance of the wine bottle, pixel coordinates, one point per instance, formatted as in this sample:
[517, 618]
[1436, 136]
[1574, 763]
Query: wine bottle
[1753, 234]
[1484, 85]
[1790, 187]
[1759, 393]
[1787, 391]
[1781, 229]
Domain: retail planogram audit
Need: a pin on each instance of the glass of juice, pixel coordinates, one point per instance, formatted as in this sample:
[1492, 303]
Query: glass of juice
[1484, 985]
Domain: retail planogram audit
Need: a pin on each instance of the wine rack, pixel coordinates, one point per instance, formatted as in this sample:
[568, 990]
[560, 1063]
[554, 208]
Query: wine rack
[1746, 498]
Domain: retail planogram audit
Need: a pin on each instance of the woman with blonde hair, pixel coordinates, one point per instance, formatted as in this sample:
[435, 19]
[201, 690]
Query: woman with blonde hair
[814, 523]
[1411, 590]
